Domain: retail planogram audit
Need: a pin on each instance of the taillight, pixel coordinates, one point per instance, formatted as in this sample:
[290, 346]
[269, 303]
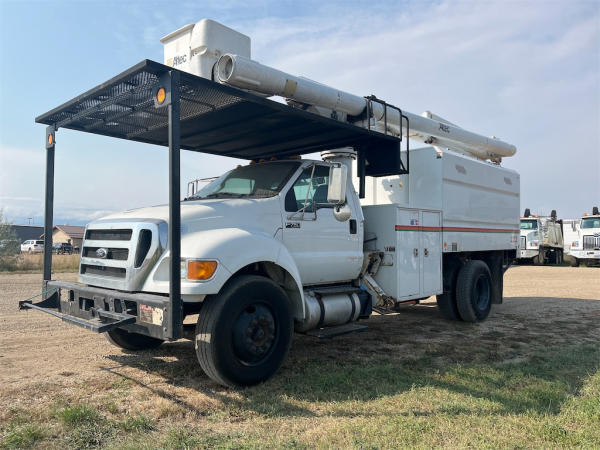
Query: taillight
[34, 245]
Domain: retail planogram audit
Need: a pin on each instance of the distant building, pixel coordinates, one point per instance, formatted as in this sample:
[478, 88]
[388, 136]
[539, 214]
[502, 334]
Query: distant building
[27, 232]
[68, 233]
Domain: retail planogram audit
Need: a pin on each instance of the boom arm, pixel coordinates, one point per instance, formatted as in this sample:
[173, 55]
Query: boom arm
[244, 73]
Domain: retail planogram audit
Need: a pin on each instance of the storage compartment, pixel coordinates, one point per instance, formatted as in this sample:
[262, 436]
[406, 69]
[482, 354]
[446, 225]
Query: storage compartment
[411, 240]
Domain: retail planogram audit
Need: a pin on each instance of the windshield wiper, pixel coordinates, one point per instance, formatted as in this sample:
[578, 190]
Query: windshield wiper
[224, 194]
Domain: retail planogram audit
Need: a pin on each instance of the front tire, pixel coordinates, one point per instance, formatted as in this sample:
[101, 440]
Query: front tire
[574, 262]
[474, 291]
[132, 341]
[245, 332]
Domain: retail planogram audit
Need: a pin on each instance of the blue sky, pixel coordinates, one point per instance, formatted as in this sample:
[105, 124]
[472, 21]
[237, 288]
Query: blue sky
[528, 72]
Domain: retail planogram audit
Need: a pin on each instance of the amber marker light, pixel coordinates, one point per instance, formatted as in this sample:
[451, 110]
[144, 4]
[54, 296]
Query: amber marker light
[161, 94]
[201, 270]
[50, 139]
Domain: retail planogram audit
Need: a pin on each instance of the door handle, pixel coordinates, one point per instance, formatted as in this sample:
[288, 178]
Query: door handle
[353, 226]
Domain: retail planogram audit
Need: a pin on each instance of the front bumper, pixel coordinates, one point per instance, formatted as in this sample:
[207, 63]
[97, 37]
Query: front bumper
[102, 310]
[586, 254]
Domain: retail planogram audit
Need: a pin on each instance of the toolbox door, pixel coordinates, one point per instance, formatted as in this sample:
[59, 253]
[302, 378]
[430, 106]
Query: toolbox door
[431, 260]
[408, 253]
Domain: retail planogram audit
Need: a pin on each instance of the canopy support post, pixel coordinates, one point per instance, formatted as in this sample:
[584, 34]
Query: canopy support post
[175, 206]
[49, 202]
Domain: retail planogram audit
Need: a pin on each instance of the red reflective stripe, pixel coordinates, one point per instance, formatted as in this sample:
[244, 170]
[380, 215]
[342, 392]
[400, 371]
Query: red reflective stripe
[408, 227]
[482, 230]
[463, 229]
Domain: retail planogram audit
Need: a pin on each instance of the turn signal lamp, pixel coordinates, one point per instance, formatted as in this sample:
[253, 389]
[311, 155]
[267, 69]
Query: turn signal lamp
[161, 94]
[50, 139]
[201, 270]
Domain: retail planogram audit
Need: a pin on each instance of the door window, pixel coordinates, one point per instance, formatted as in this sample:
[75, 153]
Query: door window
[309, 194]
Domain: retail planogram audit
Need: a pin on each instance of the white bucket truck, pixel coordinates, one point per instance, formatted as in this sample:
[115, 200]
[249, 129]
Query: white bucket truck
[586, 248]
[288, 244]
[541, 239]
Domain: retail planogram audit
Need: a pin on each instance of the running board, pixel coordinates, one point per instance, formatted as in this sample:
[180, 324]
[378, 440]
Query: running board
[331, 332]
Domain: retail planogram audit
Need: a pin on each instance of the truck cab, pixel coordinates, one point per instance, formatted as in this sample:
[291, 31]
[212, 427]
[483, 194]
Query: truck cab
[272, 212]
[586, 248]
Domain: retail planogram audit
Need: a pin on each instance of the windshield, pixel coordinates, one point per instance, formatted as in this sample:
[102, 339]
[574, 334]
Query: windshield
[254, 181]
[528, 224]
[590, 222]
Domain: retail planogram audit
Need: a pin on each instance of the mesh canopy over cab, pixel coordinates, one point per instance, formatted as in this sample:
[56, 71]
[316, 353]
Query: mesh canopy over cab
[215, 118]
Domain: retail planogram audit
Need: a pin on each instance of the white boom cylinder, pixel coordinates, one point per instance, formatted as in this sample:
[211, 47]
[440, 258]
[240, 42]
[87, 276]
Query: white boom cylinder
[244, 73]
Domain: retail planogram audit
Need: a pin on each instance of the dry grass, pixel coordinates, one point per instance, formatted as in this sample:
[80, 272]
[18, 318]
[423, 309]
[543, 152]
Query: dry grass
[35, 262]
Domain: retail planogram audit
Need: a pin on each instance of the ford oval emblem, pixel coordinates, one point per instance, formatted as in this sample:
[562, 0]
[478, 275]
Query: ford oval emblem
[101, 253]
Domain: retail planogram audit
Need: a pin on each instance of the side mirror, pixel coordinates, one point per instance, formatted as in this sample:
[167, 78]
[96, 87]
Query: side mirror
[336, 193]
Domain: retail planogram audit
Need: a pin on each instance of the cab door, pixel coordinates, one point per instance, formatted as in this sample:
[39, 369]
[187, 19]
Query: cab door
[325, 250]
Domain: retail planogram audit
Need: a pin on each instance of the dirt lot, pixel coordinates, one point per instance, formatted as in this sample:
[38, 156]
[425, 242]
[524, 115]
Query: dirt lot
[529, 375]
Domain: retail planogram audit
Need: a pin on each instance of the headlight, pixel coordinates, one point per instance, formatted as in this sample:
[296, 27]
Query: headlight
[198, 270]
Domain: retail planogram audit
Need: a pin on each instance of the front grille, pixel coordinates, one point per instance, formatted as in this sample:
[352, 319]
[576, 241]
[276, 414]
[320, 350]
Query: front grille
[115, 272]
[522, 243]
[591, 242]
[109, 235]
[130, 250]
[118, 254]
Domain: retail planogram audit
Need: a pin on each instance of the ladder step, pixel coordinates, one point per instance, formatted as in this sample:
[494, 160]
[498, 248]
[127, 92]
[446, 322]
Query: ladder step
[330, 332]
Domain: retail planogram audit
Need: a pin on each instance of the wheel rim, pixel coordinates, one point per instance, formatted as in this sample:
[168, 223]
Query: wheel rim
[482, 293]
[254, 334]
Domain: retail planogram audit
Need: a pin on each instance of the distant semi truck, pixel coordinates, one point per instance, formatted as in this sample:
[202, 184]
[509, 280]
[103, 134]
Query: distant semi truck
[586, 248]
[541, 239]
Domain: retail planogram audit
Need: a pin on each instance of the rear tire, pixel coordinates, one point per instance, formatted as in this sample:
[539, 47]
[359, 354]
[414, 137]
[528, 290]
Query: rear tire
[132, 341]
[474, 291]
[446, 304]
[245, 332]
[446, 301]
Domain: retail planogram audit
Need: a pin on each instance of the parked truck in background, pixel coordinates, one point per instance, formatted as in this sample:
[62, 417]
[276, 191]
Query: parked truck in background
[541, 239]
[586, 248]
[289, 244]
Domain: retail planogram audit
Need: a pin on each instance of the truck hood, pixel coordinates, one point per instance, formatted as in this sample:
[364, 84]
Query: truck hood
[199, 215]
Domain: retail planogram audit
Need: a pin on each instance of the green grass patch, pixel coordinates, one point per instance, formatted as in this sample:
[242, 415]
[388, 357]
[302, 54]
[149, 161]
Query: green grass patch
[138, 424]
[23, 436]
[79, 415]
